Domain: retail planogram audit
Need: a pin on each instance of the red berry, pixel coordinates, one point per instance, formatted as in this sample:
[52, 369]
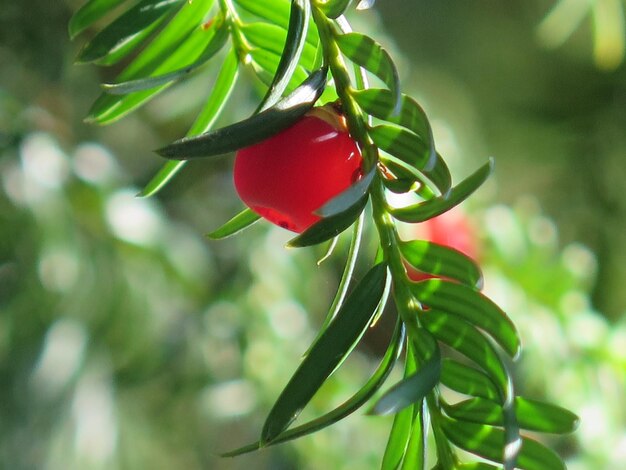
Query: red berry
[451, 229]
[293, 173]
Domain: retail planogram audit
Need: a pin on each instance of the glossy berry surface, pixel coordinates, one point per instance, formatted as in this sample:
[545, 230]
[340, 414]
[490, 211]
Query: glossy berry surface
[292, 174]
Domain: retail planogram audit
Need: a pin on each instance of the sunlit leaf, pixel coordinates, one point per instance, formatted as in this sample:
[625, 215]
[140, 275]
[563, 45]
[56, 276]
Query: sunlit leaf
[133, 22]
[213, 47]
[254, 129]
[217, 100]
[235, 225]
[272, 38]
[334, 8]
[398, 440]
[331, 349]
[471, 306]
[437, 206]
[329, 227]
[467, 380]
[179, 44]
[276, 12]
[415, 456]
[379, 103]
[401, 428]
[532, 415]
[367, 53]
[488, 442]
[442, 261]
[346, 408]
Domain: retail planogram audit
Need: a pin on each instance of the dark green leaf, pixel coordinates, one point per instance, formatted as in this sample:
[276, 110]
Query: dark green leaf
[411, 149]
[220, 92]
[467, 380]
[437, 206]
[331, 349]
[89, 13]
[367, 53]
[470, 305]
[346, 277]
[346, 408]
[443, 261]
[413, 389]
[143, 15]
[328, 227]
[349, 197]
[254, 129]
[235, 225]
[299, 17]
[178, 44]
[213, 47]
[466, 339]
[488, 442]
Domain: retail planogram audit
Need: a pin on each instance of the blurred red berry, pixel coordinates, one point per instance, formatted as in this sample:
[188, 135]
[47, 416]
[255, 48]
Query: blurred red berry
[452, 229]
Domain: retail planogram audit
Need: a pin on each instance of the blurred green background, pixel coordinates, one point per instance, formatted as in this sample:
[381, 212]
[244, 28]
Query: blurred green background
[127, 340]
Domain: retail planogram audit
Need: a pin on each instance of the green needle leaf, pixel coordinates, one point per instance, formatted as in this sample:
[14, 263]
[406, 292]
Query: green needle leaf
[540, 416]
[329, 227]
[333, 9]
[437, 206]
[367, 53]
[411, 149]
[293, 46]
[235, 225]
[178, 44]
[471, 306]
[467, 380]
[276, 12]
[346, 408]
[349, 197]
[272, 38]
[217, 100]
[442, 261]
[488, 442]
[254, 129]
[89, 13]
[140, 84]
[403, 421]
[532, 415]
[143, 15]
[379, 103]
[414, 388]
[331, 349]
[467, 340]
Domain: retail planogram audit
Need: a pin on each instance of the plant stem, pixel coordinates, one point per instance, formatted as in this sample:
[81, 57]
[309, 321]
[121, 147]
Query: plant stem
[406, 304]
